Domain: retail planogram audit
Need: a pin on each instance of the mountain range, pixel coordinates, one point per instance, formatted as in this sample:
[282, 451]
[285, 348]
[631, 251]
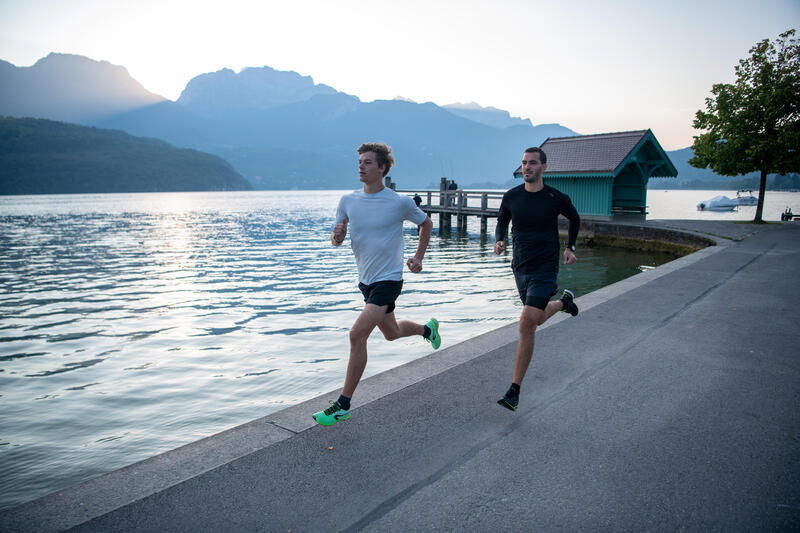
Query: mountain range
[690, 177]
[70, 88]
[281, 130]
[278, 129]
[491, 116]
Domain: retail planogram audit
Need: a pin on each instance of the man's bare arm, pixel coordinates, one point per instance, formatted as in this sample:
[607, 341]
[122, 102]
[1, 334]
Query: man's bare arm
[425, 230]
[339, 233]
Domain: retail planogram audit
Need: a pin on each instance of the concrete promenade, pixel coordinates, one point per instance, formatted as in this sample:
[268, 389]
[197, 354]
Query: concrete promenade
[671, 402]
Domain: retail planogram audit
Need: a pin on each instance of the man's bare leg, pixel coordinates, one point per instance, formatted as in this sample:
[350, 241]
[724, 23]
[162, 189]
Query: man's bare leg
[392, 329]
[531, 318]
[371, 316]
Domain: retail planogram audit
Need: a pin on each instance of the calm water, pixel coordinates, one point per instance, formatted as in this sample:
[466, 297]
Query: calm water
[131, 324]
[680, 204]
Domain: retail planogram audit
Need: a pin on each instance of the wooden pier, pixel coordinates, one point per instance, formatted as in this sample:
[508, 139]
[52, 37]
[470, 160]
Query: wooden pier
[449, 201]
[458, 203]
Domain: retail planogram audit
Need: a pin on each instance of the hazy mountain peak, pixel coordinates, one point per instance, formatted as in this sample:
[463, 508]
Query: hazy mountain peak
[490, 116]
[468, 105]
[252, 88]
[404, 99]
[72, 88]
[58, 59]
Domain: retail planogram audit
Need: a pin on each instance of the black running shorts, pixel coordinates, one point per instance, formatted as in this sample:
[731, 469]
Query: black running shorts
[382, 293]
[536, 289]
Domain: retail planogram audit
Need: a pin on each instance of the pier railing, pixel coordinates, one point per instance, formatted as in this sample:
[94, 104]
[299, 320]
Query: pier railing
[458, 203]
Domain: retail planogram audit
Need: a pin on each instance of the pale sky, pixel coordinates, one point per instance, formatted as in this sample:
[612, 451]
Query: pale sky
[592, 66]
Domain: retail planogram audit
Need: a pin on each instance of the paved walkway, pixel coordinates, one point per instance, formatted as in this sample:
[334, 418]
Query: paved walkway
[671, 402]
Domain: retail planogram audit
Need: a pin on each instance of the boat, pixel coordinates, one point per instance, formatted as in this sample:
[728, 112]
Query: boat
[718, 203]
[745, 197]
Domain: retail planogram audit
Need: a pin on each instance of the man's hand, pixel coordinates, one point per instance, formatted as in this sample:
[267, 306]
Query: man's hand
[499, 247]
[339, 232]
[569, 256]
[414, 264]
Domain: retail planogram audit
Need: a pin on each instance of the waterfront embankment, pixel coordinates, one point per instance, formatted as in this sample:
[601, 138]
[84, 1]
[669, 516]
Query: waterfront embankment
[669, 402]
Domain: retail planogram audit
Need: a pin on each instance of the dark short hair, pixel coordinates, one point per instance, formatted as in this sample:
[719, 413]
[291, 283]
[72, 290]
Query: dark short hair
[535, 150]
[383, 154]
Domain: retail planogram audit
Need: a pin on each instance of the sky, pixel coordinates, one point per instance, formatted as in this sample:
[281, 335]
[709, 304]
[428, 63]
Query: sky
[591, 65]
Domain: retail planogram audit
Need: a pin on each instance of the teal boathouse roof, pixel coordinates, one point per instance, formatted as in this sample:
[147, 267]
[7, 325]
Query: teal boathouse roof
[606, 174]
[605, 155]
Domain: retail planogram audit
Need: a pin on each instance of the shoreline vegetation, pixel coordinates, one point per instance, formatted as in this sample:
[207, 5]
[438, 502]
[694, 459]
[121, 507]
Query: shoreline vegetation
[39, 156]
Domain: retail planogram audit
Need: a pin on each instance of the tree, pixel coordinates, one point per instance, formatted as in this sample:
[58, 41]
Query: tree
[754, 124]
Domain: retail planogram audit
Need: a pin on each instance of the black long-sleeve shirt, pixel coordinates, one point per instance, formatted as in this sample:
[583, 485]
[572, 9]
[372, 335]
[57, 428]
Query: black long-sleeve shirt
[534, 218]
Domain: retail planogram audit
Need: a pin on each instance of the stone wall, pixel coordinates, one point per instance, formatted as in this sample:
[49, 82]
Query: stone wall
[637, 237]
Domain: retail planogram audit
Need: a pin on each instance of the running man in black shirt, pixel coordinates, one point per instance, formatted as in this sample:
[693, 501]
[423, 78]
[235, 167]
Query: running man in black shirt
[533, 210]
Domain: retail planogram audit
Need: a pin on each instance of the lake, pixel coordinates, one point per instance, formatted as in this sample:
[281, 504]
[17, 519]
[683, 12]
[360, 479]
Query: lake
[682, 204]
[131, 324]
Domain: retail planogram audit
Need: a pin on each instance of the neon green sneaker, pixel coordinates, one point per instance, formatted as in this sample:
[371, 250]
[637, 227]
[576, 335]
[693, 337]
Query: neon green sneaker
[331, 415]
[434, 338]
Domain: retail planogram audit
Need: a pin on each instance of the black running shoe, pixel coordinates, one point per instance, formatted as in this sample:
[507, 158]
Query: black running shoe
[509, 401]
[569, 304]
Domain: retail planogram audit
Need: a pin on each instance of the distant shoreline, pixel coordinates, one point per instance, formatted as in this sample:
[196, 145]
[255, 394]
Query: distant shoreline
[355, 186]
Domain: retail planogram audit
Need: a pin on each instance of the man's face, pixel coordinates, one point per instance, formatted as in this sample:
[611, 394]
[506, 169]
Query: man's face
[532, 167]
[368, 169]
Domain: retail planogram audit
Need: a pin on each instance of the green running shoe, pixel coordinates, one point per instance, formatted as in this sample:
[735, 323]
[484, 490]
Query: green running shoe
[434, 337]
[331, 415]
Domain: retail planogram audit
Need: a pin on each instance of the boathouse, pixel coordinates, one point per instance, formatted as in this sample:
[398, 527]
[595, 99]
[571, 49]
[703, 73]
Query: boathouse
[606, 174]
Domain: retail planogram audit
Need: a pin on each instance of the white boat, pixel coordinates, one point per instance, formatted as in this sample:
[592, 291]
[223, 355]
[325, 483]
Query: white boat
[718, 203]
[745, 197]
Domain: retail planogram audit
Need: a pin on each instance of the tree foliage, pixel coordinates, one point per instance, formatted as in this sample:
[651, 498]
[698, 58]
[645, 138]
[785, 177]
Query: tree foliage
[754, 123]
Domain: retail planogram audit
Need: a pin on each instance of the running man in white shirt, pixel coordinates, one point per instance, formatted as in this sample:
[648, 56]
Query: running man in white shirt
[375, 216]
